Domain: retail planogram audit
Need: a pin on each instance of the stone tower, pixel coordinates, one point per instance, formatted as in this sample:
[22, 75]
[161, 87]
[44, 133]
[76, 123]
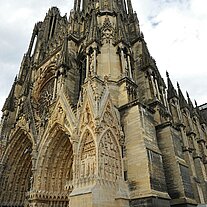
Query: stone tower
[89, 121]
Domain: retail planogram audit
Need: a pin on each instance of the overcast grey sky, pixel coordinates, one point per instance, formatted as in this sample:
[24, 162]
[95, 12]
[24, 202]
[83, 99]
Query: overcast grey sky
[175, 31]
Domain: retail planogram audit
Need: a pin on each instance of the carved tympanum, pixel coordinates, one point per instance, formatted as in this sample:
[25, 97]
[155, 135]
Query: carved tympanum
[109, 157]
[88, 155]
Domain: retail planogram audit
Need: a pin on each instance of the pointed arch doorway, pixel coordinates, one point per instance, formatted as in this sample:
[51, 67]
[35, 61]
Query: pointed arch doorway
[53, 178]
[16, 170]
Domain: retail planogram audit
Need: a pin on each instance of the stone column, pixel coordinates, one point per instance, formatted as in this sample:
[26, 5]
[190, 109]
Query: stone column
[164, 97]
[178, 112]
[157, 88]
[122, 61]
[87, 65]
[95, 60]
[184, 138]
[79, 5]
[130, 68]
[55, 87]
[75, 5]
[60, 79]
[153, 83]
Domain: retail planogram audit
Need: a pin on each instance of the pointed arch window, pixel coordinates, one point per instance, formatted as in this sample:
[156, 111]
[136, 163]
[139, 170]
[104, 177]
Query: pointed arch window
[34, 45]
[52, 26]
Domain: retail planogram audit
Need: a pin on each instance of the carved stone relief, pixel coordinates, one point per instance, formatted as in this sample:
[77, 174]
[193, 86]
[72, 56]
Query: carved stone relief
[107, 31]
[88, 156]
[87, 118]
[109, 120]
[109, 157]
[91, 65]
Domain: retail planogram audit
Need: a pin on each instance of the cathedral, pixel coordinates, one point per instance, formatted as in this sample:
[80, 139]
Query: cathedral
[90, 122]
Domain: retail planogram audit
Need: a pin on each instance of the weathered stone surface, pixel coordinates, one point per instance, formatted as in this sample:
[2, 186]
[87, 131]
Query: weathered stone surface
[89, 122]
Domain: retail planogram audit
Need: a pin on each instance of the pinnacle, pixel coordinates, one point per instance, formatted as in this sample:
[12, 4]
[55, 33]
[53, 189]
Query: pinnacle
[171, 90]
[178, 85]
[183, 102]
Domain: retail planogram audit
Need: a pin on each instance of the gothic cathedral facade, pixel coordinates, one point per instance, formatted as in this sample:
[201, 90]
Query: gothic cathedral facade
[90, 122]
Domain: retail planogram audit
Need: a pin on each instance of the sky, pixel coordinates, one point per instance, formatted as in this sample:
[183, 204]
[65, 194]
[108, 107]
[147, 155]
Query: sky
[175, 32]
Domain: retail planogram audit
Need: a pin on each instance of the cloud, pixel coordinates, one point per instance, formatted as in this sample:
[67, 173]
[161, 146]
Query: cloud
[175, 31]
[16, 26]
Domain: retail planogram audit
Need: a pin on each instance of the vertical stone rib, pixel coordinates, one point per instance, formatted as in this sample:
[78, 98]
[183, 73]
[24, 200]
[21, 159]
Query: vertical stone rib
[75, 5]
[79, 6]
[129, 5]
